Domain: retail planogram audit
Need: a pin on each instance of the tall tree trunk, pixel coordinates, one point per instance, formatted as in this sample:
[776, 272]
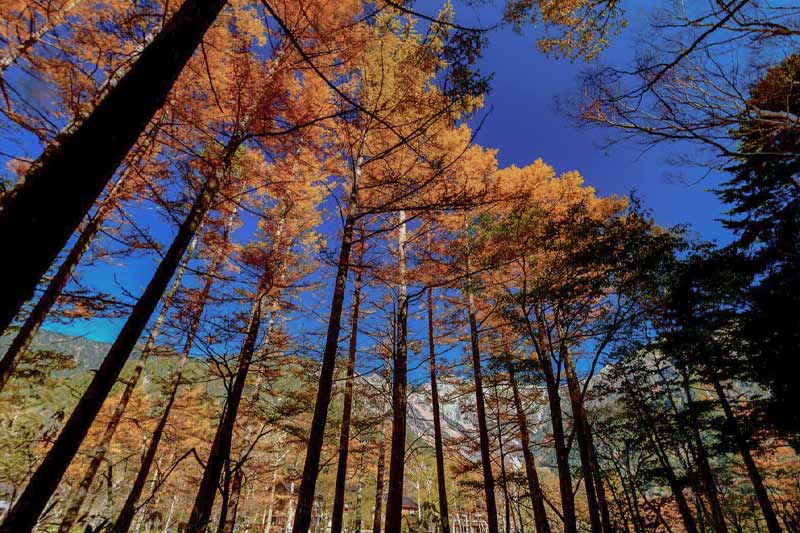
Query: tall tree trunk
[40, 487]
[268, 526]
[22, 48]
[676, 487]
[357, 517]
[24, 337]
[221, 446]
[128, 511]
[344, 433]
[444, 518]
[397, 452]
[233, 501]
[308, 483]
[503, 475]
[534, 487]
[483, 431]
[542, 345]
[704, 466]
[376, 517]
[582, 430]
[773, 526]
[79, 493]
[66, 180]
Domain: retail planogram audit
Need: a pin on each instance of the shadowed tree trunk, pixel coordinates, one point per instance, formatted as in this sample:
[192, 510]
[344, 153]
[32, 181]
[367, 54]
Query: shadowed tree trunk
[308, 483]
[444, 519]
[35, 319]
[534, 487]
[344, 434]
[483, 431]
[542, 346]
[704, 466]
[397, 452]
[65, 181]
[221, 446]
[24, 514]
[79, 493]
[582, 432]
[773, 526]
[376, 517]
[128, 511]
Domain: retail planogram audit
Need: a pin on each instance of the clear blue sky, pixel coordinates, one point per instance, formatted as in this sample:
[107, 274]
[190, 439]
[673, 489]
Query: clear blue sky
[524, 125]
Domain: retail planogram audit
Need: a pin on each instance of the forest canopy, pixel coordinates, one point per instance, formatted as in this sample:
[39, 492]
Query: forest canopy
[332, 303]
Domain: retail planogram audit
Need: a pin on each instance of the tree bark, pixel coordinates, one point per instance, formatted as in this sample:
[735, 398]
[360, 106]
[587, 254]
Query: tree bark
[582, 431]
[42, 484]
[308, 483]
[78, 495]
[221, 446]
[23, 46]
[542, 345]
[376, 517]
[344, 434]
[65, 181]
[128, 511]
[704, 466]
[24, 337]
[397, 452]
[534, 487]
[483, 431]
[773, 526]
[444, 518]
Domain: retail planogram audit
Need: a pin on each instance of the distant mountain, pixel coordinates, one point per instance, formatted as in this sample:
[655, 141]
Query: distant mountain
[88, 354]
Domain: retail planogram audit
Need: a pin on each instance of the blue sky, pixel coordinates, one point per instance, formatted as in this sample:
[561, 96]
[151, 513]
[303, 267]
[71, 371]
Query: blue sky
[522, 121]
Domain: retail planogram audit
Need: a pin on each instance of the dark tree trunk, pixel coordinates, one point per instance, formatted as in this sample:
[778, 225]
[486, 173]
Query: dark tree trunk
[221, 446]
[65, 181]
[444, 517]
[542, 345]
[33, 322]
[397, 453]
[228, 518]
[773, 526]
[43, 483]
[503, 474]
[376, 518]
[128, 511]
[582, 431]
[483, 431]
[534, 487]
[704, 466]
[344, 434]
[308, 483]
[78, 495]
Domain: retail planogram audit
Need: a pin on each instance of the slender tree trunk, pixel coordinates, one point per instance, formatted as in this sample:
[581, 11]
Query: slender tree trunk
[444, 517]
[582, 430]
[704, 466]
[542, 345]
[232, 508]
[268, 528]
[308, 483]
[376, 518]
[24, 46]
[40, 488]
[220, 449]
[534, 487]
[128, 511]
[503, 475]
[483, 431]
[24, 337]
[66, 180]
[357, 518]
[760, 490]
[78, 495]
[397, 453]
[344, 434]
